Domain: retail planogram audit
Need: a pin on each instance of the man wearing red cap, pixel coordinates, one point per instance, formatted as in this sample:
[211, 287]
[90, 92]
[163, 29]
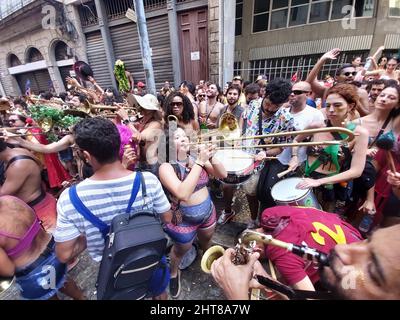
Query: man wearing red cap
[141, 91]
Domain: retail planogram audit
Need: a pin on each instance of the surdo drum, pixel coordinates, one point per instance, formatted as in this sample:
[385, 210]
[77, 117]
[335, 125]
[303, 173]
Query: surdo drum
[285, 193]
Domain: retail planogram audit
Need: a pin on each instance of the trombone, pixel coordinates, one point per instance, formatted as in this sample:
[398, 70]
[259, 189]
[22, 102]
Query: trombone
[350, 137]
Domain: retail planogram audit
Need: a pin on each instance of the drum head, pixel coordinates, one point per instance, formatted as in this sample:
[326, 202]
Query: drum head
[286, 191]
[234, 161]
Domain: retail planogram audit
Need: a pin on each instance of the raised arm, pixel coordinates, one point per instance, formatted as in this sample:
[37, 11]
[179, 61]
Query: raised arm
[318, 89]
[54, 147]
[183, 190]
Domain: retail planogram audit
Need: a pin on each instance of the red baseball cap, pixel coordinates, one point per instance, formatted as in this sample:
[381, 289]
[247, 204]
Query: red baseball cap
[141, 84]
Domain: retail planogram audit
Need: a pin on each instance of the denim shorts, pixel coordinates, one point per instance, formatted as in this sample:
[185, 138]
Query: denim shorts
[42, 278]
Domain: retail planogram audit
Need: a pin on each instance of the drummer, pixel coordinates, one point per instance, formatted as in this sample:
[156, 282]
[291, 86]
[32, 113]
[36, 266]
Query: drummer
[330, 168]
[262, 117]
[193, 211]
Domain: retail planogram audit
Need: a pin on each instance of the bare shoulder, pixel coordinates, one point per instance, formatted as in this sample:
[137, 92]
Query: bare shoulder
[362, 92]
[363, 132]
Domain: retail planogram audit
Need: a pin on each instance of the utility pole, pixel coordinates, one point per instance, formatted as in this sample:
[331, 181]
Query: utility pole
[145, 47]
[174, 36]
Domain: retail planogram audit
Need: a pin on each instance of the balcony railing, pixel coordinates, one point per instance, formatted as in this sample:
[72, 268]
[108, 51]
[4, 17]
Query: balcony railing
[13, 7]
[116, 9]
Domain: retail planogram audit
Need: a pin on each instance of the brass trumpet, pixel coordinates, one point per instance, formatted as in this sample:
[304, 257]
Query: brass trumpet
[248, 240]
[228, 127]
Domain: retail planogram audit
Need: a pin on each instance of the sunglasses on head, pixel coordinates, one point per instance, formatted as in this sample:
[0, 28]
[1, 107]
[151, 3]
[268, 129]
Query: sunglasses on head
[298, 92]
[179, 104]
[347, 74]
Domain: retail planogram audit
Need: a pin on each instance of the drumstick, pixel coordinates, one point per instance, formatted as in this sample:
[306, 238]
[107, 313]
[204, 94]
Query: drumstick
[284, 173]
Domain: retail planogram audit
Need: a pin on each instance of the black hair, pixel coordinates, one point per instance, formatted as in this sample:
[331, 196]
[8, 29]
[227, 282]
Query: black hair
[396, 58]
[234, 87]
[99, 137]
[3, 144]
[375, 82]
[21, 117]
[22, 103]
[343, 66]
[252, 88]
[82, 97]
[391, 83]
[187, 113]
[246, 83]
[191, 87]
[46, 95]
[381, 58]
[63, 96]
[278, 90]
[108, 101]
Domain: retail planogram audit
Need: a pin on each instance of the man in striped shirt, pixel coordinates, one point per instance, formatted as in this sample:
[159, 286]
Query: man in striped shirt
[106, 194]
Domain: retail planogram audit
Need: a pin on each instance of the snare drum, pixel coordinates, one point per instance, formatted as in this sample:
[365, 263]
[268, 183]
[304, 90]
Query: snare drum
[239, 165]
[285, 193]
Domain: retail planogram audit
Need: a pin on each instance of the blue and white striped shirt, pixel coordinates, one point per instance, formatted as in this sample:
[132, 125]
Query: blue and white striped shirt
[105, 199]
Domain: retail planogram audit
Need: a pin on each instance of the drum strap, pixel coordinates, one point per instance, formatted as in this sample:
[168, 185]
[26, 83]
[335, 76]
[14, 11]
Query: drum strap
[260, 126]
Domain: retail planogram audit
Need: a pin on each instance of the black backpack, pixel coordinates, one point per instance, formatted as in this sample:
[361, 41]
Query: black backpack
[134, 247]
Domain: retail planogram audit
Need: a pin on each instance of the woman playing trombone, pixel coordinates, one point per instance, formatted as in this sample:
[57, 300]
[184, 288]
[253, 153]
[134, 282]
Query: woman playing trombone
[193, 211]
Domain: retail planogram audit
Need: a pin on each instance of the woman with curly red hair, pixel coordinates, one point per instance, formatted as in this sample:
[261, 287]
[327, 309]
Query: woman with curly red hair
[330, 168]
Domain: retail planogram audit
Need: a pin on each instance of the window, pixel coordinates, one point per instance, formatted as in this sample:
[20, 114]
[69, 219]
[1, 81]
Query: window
[279, 19]
[237, 66]
[394, 8]
[364, 8]
[239, 17]
[320, 11]
[337, 9]
[299, 14]
[286, 67]
[261, 15]
[280, 4]
[275, 14]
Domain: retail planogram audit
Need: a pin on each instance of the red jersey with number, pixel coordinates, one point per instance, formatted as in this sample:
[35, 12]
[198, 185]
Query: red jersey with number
[304, 226]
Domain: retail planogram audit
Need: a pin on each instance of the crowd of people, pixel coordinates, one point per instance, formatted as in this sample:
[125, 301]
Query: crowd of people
[172, 138]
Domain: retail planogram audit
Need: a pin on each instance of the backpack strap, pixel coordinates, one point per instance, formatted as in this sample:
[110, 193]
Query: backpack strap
[88, 215]
[85, 212]
[135, 189]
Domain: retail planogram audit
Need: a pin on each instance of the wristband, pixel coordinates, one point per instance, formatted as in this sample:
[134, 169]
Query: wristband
[199, 164]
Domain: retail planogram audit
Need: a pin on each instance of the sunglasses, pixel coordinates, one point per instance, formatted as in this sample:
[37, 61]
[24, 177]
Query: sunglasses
[299, 92]
[179, 104]
[12, 121]
[202, 95]
[347, 74]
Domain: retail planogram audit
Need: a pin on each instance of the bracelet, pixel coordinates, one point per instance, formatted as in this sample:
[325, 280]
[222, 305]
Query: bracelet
[199, 164]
